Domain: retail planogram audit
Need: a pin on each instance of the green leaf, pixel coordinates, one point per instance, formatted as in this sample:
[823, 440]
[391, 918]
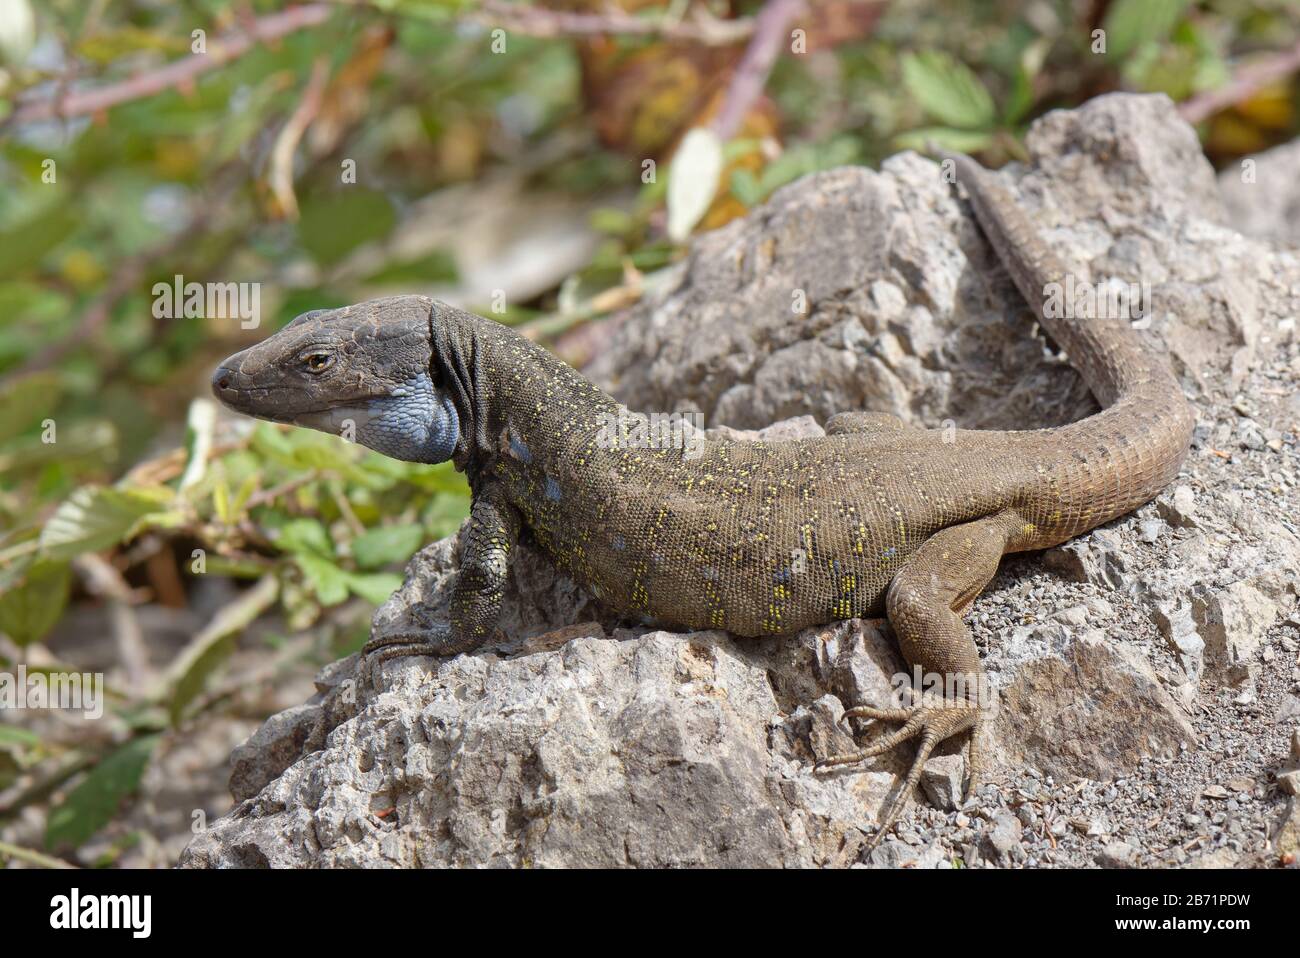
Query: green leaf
[1130, 24]
[308, 536]
[221, 502]
[214, 644]
[327, 581]
[440, 478]
[91, 805]
[12, 735]
[445, 515]
[272, 443]
[25, 402]
[745, 187]
[386, 544]
[374, 587]
[237, 568]
[807, 158]
[9, 768]
[246, 490]
[436, 267]
[85, 444]
[959, 141]
[25, 245]
[331, 453]
[1020, 100]
[948, 91]
[334, 225]
[95, 517]
[32, 600]
[20, 749]
[113, 45]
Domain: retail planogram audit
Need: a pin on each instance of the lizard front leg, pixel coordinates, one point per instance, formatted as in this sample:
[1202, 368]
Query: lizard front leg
[486, 547]
[923, 604]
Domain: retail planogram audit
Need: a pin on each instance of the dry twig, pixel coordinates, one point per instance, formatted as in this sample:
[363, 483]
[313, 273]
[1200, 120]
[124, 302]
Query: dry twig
[220, 51]
[1247, 82]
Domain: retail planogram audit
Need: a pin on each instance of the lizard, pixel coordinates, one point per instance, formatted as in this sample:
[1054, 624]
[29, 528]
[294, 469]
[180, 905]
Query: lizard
[755, 537]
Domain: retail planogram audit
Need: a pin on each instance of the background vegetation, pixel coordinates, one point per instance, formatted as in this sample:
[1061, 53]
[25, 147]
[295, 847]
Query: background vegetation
[513, 158]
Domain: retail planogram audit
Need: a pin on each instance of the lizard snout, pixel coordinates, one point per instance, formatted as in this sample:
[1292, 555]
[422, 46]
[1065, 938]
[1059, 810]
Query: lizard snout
[232, 387]
[223, 378]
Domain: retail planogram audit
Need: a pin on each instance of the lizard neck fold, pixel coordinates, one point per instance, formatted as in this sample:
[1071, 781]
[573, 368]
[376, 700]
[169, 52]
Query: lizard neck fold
[456, 353]
[509, 393]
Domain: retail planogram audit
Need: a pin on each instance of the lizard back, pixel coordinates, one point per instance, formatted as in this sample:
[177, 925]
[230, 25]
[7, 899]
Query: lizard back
[770, 537]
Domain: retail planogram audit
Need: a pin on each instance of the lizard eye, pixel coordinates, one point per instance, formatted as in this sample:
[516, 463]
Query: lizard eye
[319, 362]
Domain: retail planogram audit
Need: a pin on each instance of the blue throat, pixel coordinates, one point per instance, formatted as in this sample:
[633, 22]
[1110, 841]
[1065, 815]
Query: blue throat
[416, 423]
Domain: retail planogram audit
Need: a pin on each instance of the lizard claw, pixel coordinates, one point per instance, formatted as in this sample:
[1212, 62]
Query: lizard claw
[933, 721]
[424, 638]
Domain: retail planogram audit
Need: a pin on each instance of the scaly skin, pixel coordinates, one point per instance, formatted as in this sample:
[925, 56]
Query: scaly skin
[757, 538]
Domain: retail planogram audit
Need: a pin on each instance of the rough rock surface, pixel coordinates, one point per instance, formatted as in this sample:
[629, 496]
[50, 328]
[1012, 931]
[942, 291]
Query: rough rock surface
[1147, 673]
[1270, 213]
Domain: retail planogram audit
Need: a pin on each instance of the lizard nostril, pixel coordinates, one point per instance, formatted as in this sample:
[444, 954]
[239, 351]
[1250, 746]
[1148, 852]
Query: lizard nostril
[221, 378]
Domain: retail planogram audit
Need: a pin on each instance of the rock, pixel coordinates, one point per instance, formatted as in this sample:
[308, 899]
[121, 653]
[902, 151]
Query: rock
[874, 256]
[800, 427]
[568, 751]
[1117, 855]
[281, 741]
[1098, 557]
[1085, 705]
[1001, 842]
[1178, 508]
[895, 854]
[943, 781]
[1218, 858]
[1289, 710]
[1175, 623]
[1232, 621]
[1075, 615]
[1150, 530]
[859, 662]
[650, 749]
[1261, 195]
[1295, 744]
[1289, 782]
[1286, 835]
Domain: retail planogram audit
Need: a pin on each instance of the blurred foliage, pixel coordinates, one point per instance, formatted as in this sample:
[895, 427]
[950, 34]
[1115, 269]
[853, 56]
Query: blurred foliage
[240, 174]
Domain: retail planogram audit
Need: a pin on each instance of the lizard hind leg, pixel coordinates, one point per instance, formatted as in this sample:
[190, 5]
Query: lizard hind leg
[923, 606]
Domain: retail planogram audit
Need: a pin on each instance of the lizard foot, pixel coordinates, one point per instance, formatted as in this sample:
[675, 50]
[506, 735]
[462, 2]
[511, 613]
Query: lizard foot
[933, 720]
[426, 638]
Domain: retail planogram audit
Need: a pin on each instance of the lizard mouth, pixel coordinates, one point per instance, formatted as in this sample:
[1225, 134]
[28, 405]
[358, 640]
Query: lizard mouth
[283, 403]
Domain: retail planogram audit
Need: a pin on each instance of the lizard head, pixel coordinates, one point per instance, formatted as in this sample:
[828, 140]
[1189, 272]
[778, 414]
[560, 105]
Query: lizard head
[363, 372]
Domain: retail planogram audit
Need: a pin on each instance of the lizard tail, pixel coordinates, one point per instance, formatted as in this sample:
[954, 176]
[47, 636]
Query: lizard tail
[1135, 446]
